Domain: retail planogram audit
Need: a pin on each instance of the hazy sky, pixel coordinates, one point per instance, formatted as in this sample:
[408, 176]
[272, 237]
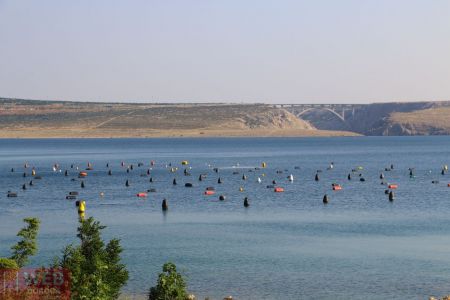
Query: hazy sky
[275, 51]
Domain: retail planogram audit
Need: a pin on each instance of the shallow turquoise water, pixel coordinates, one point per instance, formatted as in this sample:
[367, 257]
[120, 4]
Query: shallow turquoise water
[284, 246]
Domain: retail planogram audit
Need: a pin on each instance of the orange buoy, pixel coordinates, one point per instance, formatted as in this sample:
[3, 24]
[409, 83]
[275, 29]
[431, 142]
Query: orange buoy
[337, 187]
[392, 186]
[278, 190]
[448, 185]
[141, 195]
[209, 192]
[82, 174]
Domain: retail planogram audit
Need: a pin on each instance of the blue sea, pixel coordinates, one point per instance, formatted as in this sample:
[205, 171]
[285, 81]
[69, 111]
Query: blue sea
[283, 246]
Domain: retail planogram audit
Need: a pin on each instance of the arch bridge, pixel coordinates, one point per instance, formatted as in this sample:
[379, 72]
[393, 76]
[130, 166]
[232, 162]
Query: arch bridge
[341, 111]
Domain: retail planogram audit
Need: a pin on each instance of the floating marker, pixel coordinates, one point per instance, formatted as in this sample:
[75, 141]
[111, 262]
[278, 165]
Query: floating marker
[391, 196]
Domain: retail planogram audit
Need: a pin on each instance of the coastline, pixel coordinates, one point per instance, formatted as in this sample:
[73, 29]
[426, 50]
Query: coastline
[46, 133]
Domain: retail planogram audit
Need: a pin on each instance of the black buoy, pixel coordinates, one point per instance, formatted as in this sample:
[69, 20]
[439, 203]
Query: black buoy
[31, 182]
[219, 181]
[381, 176]
[411, 172]
[221, 197]
[362, 179]
[443, 172]
[148, 171]
[12, 169]
[349, 177]
[151, 179]
[188, 184]
[24, 186]
[164, 205]
[391, 196]
[107, 165]
[66, 173]
[131, 166]
[109, 172]
[82, 184]
[325, 199]
[386, 192]
[200, 178]
[316, 178]
[71, 166]
[246, 202]
[244, 177]
[128, 170]
[274, 182]
[127, 183]
[392, 167]
[24, 174]
[174, 182]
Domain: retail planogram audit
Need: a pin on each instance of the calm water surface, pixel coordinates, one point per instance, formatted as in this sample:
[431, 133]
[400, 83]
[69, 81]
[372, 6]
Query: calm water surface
[284, 246]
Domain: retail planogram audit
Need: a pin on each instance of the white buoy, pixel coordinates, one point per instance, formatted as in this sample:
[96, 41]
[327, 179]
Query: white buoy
[291, 177]
[259, 180]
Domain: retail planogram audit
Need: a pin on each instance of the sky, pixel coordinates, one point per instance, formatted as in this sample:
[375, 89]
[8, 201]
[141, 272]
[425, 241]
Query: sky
[278, 51]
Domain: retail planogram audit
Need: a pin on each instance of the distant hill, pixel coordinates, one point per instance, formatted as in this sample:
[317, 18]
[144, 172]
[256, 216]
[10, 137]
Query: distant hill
[34, 118]
[396, 118]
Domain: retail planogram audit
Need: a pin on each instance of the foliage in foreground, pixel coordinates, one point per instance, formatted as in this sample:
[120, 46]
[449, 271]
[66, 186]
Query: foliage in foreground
[24, 248]
[96, 268]
[170, 285]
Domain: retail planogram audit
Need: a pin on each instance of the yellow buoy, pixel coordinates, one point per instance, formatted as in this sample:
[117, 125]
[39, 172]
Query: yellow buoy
[82, 207]
[263, 165]
[184, 162]
[33, 172]
[241, 189]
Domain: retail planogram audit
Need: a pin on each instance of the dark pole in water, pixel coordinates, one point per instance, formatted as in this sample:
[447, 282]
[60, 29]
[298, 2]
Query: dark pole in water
[174, 182]
[246, 202]
[127, 183]
[316, 178]
[391, 196]
[164, 205]
[82, 184]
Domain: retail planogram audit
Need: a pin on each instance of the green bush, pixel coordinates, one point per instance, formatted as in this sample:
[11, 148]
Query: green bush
[170, 285]
[7, 263]
[96, 269]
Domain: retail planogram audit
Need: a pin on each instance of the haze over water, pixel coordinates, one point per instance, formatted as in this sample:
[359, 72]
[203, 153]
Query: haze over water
[284, 246]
